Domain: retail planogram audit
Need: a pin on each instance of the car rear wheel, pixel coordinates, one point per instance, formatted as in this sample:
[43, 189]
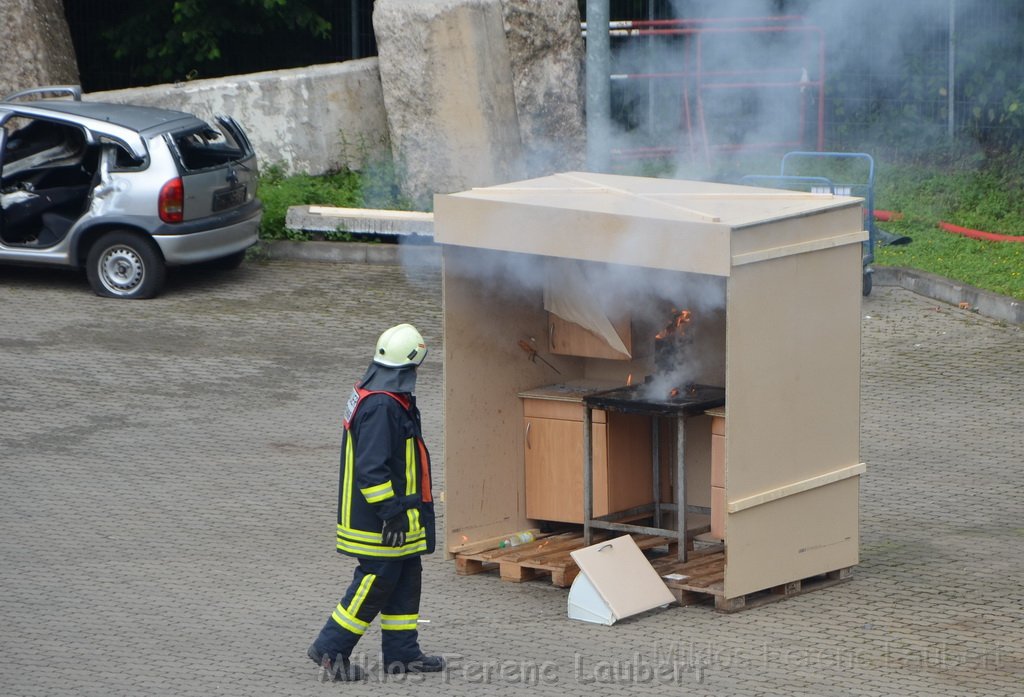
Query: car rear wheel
[125, 265]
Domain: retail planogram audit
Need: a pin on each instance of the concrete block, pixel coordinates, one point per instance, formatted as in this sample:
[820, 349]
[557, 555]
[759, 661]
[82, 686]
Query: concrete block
[36, 44]
[447, 83]
[360, 221]
[546, 48]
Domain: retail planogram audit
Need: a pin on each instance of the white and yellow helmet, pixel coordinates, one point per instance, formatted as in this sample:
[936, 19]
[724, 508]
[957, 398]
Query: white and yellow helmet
[400, 347]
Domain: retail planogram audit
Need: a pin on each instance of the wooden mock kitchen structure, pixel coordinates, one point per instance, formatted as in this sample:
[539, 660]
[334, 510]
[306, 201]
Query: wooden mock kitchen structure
[554, 290]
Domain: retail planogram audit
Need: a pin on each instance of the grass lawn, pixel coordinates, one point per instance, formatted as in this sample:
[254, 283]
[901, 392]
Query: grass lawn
[989, 198]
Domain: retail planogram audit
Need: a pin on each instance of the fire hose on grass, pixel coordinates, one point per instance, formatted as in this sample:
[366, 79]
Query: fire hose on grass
[886, 216]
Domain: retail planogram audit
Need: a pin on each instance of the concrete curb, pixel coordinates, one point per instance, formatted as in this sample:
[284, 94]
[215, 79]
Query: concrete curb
[983, 302]
[939, 288]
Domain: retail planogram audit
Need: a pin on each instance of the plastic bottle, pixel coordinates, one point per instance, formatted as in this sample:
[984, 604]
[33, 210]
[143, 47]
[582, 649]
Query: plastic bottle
[520, 538]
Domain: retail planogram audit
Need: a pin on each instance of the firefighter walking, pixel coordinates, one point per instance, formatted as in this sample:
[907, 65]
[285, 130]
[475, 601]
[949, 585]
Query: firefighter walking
[385, 515]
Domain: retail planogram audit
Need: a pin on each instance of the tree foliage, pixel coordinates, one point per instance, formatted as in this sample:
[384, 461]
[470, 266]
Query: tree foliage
[169, 40]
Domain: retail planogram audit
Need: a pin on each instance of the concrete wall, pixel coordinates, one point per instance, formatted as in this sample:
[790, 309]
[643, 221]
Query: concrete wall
[312, 119]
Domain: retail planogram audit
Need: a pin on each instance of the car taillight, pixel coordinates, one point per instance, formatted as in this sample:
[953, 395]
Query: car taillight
[172, 201]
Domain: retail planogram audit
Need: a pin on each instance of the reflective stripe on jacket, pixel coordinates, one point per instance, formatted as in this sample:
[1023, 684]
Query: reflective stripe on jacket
[385, 471]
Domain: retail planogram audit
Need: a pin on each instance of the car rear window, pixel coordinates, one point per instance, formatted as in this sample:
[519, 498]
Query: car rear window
[206, 148]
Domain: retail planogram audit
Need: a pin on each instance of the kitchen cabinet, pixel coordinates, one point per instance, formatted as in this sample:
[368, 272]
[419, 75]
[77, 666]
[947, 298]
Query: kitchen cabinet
[553, 446]
[570, 339]
[717, 472]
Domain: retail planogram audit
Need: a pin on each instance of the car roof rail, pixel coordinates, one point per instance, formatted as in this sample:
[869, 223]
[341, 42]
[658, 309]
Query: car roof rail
[73, 91]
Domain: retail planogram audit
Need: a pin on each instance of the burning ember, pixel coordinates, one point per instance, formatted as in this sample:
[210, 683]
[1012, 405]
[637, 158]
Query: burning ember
[680, 318]
[690, 390]
[672, 346]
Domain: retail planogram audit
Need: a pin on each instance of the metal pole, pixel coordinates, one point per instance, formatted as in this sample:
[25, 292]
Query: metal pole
[598, 87]
[651, 65]
[656, 469]
[951, 79]
[588, 474]
[681, 485]
[354, 28]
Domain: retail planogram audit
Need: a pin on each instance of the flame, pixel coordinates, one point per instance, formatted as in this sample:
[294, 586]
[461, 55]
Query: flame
[680, 318]
[629, 379]
[674, 392]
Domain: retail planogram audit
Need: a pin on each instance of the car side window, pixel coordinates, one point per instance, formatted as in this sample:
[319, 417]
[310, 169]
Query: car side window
[124, 160]
[207, 147]
[34, 144]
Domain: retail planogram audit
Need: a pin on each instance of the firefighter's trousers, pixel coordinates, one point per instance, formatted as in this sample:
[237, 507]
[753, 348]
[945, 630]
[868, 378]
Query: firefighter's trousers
[390, 587]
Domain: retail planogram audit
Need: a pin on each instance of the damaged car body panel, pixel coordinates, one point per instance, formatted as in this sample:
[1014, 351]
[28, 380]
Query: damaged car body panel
[123, 191]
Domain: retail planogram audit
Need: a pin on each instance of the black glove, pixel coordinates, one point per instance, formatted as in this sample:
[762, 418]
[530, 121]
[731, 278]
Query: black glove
[394, 531]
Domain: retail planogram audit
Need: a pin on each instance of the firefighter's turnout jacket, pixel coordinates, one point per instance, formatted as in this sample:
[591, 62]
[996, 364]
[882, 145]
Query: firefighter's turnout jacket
[385, 471]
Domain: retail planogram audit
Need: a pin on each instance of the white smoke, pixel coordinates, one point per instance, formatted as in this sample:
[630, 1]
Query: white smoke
[879, 55]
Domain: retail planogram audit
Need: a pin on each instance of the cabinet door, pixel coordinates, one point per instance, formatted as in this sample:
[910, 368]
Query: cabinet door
[554, 470]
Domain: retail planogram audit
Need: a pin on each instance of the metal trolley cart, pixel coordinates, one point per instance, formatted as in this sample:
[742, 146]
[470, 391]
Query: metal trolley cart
[863, 187]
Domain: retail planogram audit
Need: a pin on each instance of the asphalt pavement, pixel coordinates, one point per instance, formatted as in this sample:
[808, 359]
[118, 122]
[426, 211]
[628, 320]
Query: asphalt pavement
[168, 473]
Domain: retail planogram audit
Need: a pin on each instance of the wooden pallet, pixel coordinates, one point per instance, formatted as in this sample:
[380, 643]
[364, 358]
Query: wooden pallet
[549, 555]
[703, 581]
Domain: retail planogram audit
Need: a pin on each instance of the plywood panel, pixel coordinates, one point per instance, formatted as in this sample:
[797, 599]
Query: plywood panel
[611, 236]
[810, 533]
[718, 512]
[698, 460]
[630, 476]
[793, 391]
[717, 460]
[790, 232]
[484, 370]
[636, 221]
[793, 355]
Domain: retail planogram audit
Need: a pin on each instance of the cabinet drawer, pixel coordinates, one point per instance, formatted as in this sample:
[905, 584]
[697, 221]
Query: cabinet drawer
[556, 409]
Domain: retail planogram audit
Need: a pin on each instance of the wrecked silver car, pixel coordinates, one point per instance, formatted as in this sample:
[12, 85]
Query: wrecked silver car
[122, 191]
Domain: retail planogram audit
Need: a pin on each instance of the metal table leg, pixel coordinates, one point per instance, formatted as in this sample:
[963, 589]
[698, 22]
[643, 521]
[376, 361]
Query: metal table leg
[656, 469]
[681, 484]
[588, 474]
